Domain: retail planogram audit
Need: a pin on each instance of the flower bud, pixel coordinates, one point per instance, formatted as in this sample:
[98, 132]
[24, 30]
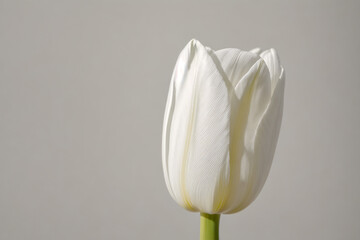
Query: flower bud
[221, 125]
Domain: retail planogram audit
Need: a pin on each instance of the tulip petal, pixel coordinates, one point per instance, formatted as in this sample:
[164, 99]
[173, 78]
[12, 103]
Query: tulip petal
[169, 109]
[253, 96]
[272, 61]
[172, 177]
[196, 130]
[236, 63]
[257, 51]
[266, 137]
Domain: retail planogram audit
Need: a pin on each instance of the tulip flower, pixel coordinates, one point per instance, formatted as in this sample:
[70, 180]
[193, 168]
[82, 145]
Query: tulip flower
[221, 126]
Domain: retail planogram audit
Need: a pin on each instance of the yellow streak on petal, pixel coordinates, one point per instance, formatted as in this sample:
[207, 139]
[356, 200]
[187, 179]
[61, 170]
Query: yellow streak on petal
[184, 193]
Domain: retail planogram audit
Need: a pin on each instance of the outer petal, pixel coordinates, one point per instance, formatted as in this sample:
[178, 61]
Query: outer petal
[251, 82]
[172, 166]
[169, 110]
[196, 131]
[265, 141]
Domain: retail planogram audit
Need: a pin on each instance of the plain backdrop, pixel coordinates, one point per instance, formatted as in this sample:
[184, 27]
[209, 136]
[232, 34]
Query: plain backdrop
[83, 86]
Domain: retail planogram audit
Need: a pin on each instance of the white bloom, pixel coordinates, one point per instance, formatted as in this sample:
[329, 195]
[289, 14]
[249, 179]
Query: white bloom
[221, 125]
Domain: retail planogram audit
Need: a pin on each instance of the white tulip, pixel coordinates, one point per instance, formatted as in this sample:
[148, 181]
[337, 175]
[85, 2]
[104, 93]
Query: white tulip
[221, 125]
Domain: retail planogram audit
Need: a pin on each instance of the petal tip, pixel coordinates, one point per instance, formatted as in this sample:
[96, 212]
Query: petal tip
[257, 51]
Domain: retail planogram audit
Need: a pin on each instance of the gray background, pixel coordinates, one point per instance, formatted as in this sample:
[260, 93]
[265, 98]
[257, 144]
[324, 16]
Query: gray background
[83, 87]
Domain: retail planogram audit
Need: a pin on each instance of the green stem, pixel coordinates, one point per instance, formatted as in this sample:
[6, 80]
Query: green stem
[209, 226]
